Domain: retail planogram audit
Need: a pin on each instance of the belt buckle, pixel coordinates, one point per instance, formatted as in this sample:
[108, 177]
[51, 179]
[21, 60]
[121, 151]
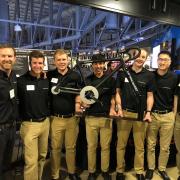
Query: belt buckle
[161, 112]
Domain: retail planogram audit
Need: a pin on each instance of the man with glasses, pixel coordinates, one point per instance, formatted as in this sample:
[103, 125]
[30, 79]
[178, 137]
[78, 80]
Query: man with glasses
[163, 116]
[177, 132]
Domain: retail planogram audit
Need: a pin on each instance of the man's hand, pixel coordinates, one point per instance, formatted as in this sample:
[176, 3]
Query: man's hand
[147, 117]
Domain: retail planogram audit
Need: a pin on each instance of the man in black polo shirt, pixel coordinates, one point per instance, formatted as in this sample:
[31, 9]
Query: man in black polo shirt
[163, 115]
[97, 121]
[64, 125]
[8, 106]
[126, 102]
[177, 130]
[33, 94]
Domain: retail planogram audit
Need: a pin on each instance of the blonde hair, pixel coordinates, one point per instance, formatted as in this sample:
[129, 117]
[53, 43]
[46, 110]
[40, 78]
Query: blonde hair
[60, 52]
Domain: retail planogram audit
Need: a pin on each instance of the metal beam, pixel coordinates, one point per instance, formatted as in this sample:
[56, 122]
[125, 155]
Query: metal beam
[58, 18]
[129, 35]
[86, 17]
[70, 24]
[97, 19]
[38, 18]
[17, 10]
[56, 41]
[146, 37]
[39, 25]
[32, 19]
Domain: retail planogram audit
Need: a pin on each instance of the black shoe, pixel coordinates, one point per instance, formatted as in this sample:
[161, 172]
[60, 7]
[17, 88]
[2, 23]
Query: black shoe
[74, 177]
[178, 178]
[149, 174]
[106, 176]
[140, 177]
[120, 176]
[164, 175]
[92, 176]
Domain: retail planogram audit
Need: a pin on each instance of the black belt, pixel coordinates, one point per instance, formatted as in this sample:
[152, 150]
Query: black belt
[36, 119]
[97, 114]
[130, 110]
[63, 116]
[161, 112]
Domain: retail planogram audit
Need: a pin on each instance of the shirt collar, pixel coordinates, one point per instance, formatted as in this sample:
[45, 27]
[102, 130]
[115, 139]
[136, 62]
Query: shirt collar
[142, 71]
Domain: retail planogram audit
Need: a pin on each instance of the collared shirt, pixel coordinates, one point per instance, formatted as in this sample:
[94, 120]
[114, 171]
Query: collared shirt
[144, 80]
[8, 101]
[166, 88]
[106, 91]
[33, 94]
[64, 103]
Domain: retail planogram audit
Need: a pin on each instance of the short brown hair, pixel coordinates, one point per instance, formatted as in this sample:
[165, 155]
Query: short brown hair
[2, 46]
[35, 54]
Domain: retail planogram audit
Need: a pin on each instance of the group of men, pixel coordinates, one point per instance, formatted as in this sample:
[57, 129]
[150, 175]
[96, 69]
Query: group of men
[41, 111]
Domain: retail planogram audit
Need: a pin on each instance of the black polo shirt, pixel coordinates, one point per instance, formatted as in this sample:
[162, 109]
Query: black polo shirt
[178, 90]
[178, 109]
[63, 103]
[166, 88]
[106, 90]
[144, 80]
[8, 101]
[33, 94]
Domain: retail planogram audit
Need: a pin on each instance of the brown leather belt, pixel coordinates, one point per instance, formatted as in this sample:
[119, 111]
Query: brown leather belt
[130, 110]
[36, 119]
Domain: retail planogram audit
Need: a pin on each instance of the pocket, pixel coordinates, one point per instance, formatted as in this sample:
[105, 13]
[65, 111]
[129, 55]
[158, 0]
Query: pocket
[91, 121]
[77, 119]
[108, 123]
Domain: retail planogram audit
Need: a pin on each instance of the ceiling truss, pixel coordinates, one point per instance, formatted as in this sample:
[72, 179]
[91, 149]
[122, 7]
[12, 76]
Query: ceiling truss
[48, 24]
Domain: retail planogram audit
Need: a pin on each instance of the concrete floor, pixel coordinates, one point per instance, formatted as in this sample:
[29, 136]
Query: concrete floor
[130, 175]
[17, 172]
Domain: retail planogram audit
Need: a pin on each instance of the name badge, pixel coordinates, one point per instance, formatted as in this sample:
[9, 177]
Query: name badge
[30, 87]
[11, 93]
[126, 80]
[54, 80]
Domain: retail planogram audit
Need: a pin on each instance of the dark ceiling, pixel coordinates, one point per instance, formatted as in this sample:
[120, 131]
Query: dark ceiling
[166, 11]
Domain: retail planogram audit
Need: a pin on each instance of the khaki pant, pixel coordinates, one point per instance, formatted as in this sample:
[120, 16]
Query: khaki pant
[63, 129]
[35, 139]
[94, 127]
[164, 124]
[177, 140]
[139, 131]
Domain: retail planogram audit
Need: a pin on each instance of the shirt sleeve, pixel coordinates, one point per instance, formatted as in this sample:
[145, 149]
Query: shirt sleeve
[120, 79]
[151, 83]
[177, 85]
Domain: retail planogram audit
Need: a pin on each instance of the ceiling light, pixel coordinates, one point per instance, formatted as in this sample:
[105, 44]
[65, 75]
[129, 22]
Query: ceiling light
[17, 28]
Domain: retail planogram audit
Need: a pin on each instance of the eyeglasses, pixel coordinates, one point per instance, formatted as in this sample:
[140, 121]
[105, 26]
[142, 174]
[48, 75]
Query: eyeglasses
[163, 59]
